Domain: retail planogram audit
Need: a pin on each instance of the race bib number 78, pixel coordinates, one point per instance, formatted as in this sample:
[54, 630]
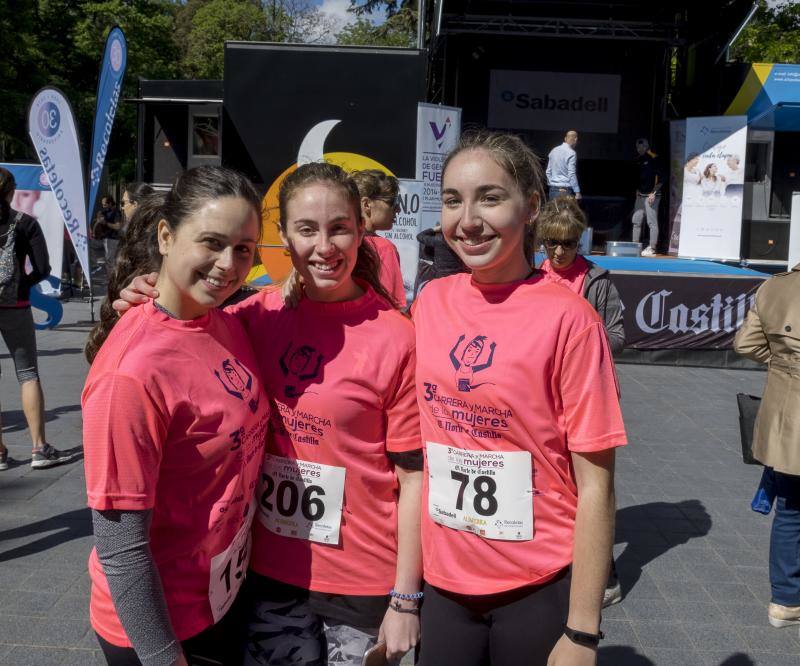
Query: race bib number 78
[489, 493]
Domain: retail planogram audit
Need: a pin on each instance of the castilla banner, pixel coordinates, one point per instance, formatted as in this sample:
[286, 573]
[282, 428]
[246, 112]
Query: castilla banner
[52, 128]
[684, 312]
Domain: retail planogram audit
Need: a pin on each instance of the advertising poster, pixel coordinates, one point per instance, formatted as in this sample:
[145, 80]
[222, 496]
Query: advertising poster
[438, 130]
[713, 184]
[52, 128]
[677, 151]
[109, 88]
[348, 111]
[404, 232]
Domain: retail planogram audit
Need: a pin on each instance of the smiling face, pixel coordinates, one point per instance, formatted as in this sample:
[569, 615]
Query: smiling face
[484, 217]
[208, 256]
[323, 233]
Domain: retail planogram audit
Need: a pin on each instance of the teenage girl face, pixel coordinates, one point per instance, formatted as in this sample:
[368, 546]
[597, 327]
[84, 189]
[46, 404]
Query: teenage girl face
[323, 233]
[207, 257]
[484, 217]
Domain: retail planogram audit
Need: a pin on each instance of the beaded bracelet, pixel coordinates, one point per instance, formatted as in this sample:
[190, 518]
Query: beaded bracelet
[415, 596]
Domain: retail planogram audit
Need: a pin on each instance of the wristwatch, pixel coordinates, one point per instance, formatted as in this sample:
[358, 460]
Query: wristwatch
[584, 638]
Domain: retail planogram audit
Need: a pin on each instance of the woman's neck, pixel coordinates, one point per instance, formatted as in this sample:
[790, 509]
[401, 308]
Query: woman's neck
[513, 271]
[177, 304]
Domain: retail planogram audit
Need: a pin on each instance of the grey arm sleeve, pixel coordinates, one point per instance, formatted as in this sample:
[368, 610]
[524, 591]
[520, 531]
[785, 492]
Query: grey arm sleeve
[122, 540]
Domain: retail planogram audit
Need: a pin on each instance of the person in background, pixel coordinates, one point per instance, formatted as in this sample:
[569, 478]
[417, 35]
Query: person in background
[771, 334]
[648, 195]
[107, 227]
[733, 176]
[21, 238]
[711, 183]
[379, 207]
[131, 197]
[559, 228]
[436, 258]
[562, 163]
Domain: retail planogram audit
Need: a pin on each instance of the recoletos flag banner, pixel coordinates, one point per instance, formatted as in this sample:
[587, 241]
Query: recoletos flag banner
[438, 130]
[109, 88]
[713, 184]
[404, 232]
[51, 126]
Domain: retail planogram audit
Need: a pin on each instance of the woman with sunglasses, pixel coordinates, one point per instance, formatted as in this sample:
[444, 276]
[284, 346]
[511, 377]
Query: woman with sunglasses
[379, 206]
[560, 227]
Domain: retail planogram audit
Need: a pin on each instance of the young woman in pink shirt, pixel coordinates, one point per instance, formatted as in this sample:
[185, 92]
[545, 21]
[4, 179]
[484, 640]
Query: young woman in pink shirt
[379, 209]
[519, 416]
[174, 426]
[336, 562]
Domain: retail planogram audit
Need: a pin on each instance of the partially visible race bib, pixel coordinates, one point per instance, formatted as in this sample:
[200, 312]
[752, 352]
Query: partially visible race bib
[228, 569]
[489, 493]
[301, 499]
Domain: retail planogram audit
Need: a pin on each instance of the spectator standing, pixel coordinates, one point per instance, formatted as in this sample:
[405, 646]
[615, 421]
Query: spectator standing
[107, 227]
[562, 165]
[648, 195]
[771, 334]
[131, 197]
[21, 238]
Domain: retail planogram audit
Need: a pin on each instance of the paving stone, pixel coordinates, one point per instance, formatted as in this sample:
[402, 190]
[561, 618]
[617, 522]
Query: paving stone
[661, 635]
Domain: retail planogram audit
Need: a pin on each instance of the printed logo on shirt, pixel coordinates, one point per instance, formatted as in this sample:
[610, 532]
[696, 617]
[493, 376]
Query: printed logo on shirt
[470, 360]
[238, 382]
[298, 365]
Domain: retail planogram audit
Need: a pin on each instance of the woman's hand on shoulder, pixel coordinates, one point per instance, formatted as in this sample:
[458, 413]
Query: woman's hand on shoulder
[140, 290]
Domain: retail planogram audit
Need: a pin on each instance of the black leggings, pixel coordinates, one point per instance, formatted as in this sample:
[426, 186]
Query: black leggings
[221, 644]
[508, 629]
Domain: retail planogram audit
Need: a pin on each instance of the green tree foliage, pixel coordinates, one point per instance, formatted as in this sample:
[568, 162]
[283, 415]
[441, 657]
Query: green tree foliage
[395, 31]
[772, 36]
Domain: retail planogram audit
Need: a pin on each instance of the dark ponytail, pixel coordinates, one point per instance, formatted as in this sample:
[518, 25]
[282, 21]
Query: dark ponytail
[137, 254]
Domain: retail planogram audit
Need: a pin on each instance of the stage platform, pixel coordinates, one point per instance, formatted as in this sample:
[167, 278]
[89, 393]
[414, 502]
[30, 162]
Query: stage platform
[670, 265]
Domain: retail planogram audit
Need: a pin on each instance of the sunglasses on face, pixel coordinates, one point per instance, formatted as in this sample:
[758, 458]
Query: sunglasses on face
[552, 244]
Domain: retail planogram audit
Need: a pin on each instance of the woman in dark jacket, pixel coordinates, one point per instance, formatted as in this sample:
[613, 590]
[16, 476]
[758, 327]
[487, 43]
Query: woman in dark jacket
[560, 227]
[21, 238]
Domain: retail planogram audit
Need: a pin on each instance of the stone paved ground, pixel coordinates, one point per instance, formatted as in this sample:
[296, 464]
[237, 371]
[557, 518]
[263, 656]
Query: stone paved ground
[692, 556]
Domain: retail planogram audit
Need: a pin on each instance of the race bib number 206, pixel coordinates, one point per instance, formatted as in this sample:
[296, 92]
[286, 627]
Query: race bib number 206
[489, 493]
[300, 499]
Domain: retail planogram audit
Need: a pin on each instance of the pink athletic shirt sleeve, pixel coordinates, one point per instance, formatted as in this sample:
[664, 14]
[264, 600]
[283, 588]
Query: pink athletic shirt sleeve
[511, 379]
[341, 380]
[391, 276]
[174, 420]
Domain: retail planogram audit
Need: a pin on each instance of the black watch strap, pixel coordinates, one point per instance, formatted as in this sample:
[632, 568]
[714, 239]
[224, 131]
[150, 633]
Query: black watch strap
[583, 638]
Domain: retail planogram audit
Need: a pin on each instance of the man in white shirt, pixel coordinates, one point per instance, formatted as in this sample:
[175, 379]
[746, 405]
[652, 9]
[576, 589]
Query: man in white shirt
[733, 174]
[561, 168]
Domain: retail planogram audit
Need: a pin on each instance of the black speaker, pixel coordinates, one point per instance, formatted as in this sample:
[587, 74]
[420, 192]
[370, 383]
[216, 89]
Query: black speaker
[765, 240]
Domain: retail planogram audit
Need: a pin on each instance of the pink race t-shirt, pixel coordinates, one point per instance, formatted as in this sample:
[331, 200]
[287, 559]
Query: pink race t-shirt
[511, 378]
[174, 420]
[573, 277]
[341, 380]
[391, 276]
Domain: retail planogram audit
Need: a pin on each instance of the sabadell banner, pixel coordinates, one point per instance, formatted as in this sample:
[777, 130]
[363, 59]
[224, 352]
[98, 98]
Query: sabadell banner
[51, 125]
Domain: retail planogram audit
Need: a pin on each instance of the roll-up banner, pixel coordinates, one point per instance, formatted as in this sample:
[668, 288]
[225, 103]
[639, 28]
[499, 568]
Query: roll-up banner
[404, 232]
[438, 130]
[677, 150]
[52, 128]
[713, 184]
[109, 88]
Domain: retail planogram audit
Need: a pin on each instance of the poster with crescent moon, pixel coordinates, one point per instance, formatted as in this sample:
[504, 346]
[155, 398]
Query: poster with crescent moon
[287, 105]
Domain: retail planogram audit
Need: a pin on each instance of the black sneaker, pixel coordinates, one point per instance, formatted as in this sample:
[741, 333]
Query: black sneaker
[49, 457]
[4, 460]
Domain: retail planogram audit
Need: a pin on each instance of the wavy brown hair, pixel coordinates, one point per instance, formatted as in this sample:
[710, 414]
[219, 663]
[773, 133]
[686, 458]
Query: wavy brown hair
[368, 264]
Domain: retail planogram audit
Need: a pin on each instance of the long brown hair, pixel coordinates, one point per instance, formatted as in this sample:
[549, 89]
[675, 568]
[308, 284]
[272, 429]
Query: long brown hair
[138, 252]
[516, 159]
[368, 264]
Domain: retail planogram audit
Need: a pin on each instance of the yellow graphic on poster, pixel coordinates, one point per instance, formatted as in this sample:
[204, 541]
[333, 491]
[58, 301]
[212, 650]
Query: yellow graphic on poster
[275, 260]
